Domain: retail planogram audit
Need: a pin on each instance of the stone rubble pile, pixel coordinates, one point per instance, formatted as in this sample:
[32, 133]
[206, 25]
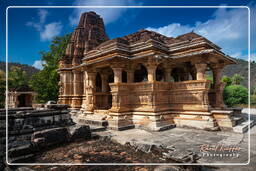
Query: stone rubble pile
[34, 130]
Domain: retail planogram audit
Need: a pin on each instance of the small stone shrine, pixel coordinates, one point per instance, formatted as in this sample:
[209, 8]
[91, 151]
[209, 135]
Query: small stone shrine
[21, 97]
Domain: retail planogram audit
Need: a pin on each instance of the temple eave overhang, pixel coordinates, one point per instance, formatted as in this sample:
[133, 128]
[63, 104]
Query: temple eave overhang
[131, 50]
[215, 53]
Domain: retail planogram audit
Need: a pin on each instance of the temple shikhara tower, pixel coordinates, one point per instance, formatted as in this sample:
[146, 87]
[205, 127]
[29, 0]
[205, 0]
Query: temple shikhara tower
[144, 79]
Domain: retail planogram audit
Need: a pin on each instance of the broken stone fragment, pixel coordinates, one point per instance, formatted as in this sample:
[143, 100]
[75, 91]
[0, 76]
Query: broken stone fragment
[21, 153]
[50, 137]
[79, 132]
[146, 148]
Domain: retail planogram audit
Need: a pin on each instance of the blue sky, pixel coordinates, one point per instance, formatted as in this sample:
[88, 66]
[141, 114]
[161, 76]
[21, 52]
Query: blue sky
[32, 29]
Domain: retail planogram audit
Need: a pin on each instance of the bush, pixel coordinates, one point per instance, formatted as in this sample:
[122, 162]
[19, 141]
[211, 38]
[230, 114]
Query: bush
[253, 99]
[235, 94]
[227, 80]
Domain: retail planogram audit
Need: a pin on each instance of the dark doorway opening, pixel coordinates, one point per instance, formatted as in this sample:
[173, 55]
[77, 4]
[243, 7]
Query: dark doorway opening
[141, 74]
[24, 100]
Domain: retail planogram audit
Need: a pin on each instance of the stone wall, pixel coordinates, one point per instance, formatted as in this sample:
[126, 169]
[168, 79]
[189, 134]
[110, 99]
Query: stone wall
[23, 123]
[160, 96]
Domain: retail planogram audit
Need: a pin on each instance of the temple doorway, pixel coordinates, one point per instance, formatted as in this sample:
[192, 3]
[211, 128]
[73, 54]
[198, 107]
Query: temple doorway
[25, 100]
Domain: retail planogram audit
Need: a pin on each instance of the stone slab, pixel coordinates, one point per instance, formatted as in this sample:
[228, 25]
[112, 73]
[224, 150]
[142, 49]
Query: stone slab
[243, 127]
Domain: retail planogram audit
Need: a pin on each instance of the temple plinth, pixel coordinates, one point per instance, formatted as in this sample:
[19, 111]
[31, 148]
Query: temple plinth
[144, 79]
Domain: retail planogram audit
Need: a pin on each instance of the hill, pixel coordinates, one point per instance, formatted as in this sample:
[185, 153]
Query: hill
[30, 70]
[241, 68]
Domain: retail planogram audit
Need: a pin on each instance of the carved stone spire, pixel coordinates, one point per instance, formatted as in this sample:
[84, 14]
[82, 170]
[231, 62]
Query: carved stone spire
[89, 33]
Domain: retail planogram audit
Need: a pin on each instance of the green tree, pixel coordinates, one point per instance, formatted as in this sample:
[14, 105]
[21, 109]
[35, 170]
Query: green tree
[254, 90]
[253, 99]
[210, 78]
[2, 88]
[235, 94]
[17, 78]
[237, 79]
[45, 82]
[227, 80]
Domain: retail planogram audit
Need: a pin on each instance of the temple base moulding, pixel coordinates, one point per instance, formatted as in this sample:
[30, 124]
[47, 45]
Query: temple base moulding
[212, 120]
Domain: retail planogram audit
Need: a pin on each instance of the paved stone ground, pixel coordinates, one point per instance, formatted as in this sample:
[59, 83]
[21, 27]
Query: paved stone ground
[183, 141]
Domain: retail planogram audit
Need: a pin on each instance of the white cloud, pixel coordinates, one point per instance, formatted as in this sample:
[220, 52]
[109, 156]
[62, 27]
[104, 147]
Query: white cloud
[46, 31]
[42, 15]
[226, 28]
[109, 14]
[38, 64]
[244, 56]
[50, 30]
[172, 30]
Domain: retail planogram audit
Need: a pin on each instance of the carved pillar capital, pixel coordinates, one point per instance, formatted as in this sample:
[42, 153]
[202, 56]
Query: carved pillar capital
[117, 75]
[151, 68]
[91, 79]
[200, 69]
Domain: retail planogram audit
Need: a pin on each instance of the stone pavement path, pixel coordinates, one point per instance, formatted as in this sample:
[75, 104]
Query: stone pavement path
[184, 141]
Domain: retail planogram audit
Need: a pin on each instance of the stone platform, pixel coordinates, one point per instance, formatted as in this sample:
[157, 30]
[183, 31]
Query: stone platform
[212, 120]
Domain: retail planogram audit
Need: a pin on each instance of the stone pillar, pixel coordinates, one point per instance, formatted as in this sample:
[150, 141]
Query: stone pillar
[217, 76]
[67, 87]
[117, 75]
[78, 86]
[130, 76]
[151, 72]
[200, 71]
[90, 89]
[85, 84]
[85, 81]
[168, 74]
[104, 82]
[77, 89]
[15, 99]
[218, 86]
[92, 79]
[60, 84]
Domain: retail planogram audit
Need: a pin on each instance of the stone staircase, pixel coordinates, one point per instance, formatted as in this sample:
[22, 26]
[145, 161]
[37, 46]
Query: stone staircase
[96, 121]
[233, 120]
[242, 123]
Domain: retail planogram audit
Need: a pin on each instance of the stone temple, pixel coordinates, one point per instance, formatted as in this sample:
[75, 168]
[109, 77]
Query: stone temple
[144, 80]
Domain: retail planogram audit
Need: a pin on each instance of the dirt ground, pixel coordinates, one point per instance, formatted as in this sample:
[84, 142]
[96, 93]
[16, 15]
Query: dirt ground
[101, 150]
